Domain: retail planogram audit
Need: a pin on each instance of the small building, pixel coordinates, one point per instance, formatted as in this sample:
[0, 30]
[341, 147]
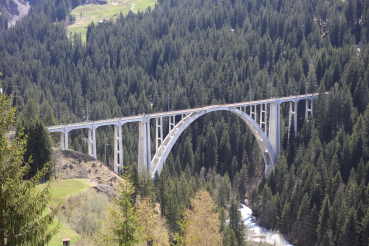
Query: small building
[102, 1]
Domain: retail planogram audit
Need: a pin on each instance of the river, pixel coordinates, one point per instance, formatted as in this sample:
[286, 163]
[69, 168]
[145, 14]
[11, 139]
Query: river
[258, 233]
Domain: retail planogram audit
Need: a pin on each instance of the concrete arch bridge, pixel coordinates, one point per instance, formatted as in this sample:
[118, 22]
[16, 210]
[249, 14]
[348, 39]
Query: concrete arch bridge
[262, 117]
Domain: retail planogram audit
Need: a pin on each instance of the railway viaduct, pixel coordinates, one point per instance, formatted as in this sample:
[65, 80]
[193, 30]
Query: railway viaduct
[262, 117]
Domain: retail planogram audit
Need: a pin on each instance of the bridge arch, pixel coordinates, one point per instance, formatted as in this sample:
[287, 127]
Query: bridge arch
[269, 154]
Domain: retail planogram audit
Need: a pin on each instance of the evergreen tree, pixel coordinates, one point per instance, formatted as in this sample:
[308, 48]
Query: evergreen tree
[323, 222]
[21, 204]
[236, 223]
[38, 145]
[49, 119]
[291, 143]
[126, 229]
[30, 111]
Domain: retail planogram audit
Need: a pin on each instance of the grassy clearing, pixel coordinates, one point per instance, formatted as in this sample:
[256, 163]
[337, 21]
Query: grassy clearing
[64, 232]
[141, 5]
[95, 13]
[63, 188]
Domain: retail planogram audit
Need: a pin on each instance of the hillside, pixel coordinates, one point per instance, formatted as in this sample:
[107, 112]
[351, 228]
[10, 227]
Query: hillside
[87, 13]
[77, 176]
[15, 10]
[75, 165]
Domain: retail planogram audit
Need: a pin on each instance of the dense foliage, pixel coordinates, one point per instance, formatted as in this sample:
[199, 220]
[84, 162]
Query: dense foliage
[213, 52]
[22, 206]
[38, 146]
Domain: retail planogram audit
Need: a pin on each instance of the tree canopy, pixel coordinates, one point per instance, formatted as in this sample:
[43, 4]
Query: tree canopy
[21, 204]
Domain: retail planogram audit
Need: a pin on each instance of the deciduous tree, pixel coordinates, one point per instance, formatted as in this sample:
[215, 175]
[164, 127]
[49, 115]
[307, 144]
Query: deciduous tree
[203, 222]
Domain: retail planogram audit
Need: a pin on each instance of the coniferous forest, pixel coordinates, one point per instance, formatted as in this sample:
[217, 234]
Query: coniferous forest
[204, 52]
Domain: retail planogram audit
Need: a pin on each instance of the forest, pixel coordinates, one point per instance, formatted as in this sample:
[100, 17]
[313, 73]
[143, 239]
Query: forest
[204, 52]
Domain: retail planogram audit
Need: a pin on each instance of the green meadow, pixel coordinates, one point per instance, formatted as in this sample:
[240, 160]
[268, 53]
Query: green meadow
[62, 189]
[88, 13]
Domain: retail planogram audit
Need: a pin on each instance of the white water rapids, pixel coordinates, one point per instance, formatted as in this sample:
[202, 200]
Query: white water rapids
[258, 233]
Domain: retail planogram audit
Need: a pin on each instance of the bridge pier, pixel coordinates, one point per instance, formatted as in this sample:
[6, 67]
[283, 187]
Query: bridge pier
[274, 125]
[253, 112]
[94, 141]
[89, 141]
[144, 145]
[62, 140]
[292, 112]
[120, 147]
[116, 148]
[263, 117]
[308, 109]
[66, 138]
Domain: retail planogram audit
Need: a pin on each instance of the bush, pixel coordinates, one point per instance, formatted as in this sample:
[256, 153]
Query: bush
[83, 212]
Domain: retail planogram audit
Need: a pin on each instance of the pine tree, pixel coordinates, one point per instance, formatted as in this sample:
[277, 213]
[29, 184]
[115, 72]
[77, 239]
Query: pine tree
[49, 119]
[30, 110]
[291, 143]
[234, 167]
[323, 221]
[230, 237]
[21, 205]
[126, 229]
[365, 229]
[243, 180]
[348, 234]
[236, 223]
[285, 219]
[38, 145]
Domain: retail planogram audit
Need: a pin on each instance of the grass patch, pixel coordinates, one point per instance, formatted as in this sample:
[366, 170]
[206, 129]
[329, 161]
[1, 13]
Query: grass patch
[63, 188]
[95, 13]
[141, 5]
[64, 232]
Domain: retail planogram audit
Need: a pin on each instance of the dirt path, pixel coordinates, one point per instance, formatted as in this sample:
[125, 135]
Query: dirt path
[133, 5]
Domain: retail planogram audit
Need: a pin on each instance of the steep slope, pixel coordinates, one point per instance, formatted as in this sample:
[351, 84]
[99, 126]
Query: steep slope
[75, 165]
[15, 10]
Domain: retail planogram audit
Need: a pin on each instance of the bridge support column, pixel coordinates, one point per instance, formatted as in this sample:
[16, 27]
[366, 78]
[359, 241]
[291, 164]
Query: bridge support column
[62, 140]
[274, 126]
[296, 118]
[89, 141]
[172, 125]
[157, 138]
[161, 136]
[312, 108]
[116, 150]
[308, 109]
[253, 112]
[144, 153]
[120, 148]
[148, 145]
[94, 142]
[263, 117]
[66, 138]
[294, 112]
